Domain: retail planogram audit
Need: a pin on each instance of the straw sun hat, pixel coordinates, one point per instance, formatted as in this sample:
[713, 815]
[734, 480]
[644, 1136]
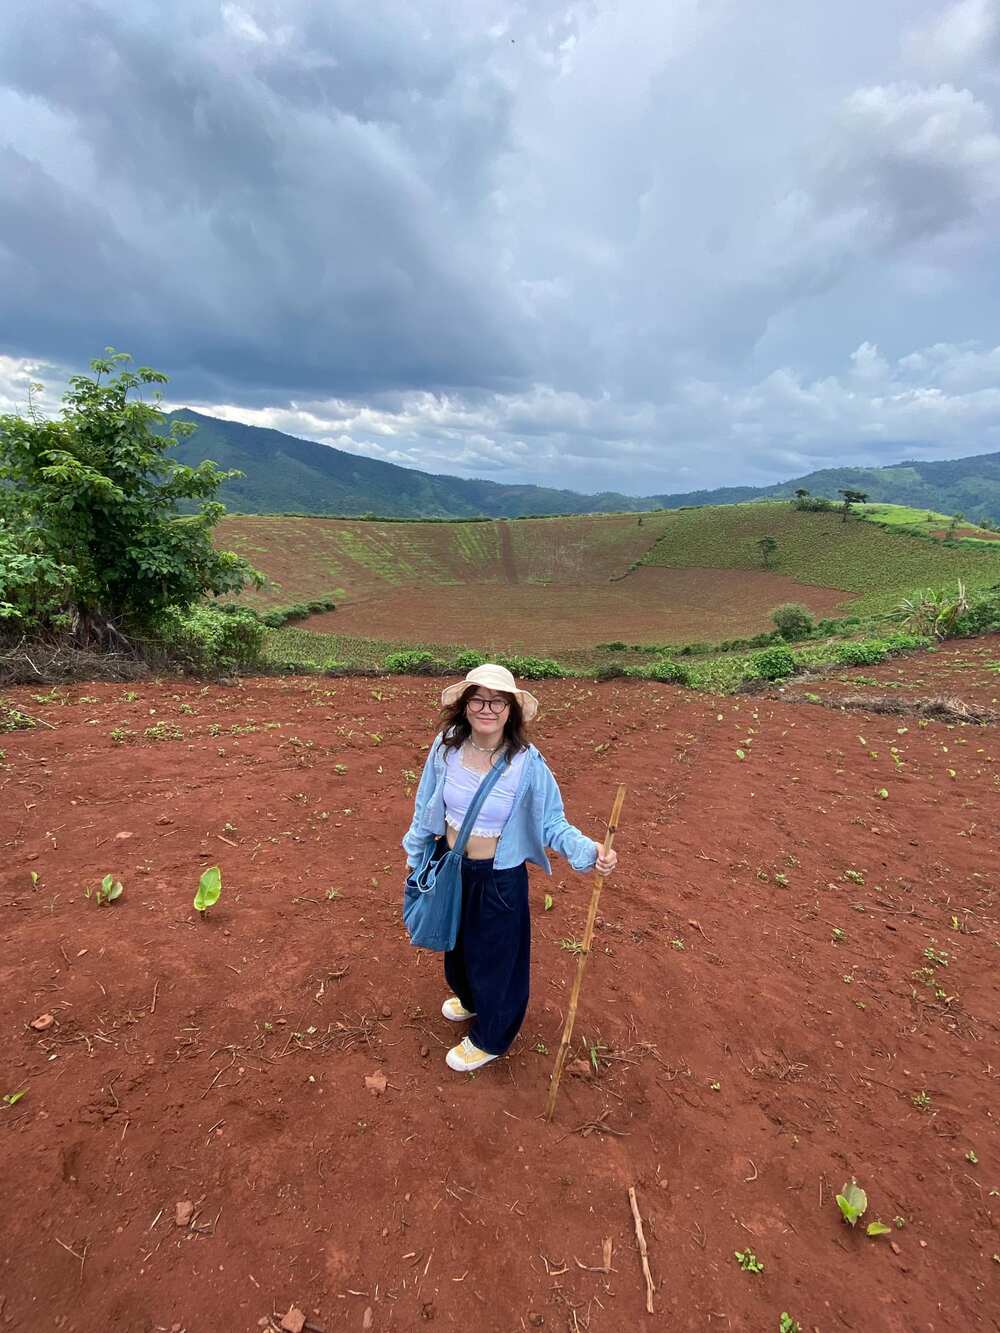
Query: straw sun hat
[493, 677]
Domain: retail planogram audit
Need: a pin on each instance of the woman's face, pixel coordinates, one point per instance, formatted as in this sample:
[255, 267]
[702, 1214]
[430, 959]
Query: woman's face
[487, 712]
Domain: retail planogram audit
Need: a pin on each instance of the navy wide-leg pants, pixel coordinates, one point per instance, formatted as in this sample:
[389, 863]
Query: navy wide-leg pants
[488, 969]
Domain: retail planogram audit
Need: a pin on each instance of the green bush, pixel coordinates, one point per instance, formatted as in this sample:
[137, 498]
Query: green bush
[469, 658]
[666, 670]
[609, 671]
[413, 661]
[204, 638]
[983, 615]
[616, 647]
[773, 664]
[532, 668]
[865, 652]
[793, 620]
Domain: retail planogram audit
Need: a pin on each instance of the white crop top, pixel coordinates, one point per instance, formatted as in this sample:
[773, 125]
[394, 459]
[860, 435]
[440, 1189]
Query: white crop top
[461, 785]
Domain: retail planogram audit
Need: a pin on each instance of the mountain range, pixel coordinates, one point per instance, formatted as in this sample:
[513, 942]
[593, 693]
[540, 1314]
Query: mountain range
[284, 474]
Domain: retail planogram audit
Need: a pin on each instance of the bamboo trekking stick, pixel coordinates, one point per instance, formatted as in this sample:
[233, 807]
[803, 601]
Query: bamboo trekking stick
[581, 963]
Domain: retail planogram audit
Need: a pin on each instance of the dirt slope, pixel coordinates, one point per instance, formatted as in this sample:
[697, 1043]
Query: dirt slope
[751, 1058]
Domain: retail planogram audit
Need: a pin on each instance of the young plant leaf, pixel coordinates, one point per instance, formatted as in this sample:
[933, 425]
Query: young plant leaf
[12, 1098]
[852, 1202]
[877, 1229]
[209, 889]
[548, 902]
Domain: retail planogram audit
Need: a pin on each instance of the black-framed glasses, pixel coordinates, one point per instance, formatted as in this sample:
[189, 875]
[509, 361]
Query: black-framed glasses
[479, 705]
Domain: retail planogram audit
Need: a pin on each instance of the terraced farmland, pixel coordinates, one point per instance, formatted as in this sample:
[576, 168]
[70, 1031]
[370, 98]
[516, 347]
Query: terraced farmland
[352, 560]
[876, 566]
[562, 585]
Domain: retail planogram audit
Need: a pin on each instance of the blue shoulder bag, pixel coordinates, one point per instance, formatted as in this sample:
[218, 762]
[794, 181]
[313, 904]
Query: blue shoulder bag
[432, 897]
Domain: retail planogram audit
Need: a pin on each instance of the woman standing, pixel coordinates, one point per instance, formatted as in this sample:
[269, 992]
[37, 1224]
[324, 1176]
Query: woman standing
[484, 722]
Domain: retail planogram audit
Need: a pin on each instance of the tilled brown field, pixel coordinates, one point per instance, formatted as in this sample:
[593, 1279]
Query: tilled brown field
[651, 605]
[794, 982]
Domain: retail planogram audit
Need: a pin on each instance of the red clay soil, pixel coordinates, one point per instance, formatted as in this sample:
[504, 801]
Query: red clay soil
[650, 605]
[966, 669]
[980, 534]
[765, 1016]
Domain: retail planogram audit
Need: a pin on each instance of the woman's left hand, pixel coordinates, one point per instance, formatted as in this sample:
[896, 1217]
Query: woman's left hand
[605, 864]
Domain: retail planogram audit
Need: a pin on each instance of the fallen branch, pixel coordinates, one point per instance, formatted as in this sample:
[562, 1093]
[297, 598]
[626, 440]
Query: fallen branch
[643, 1253]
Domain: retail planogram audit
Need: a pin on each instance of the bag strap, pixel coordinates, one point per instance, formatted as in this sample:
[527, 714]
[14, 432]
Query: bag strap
[483, 790]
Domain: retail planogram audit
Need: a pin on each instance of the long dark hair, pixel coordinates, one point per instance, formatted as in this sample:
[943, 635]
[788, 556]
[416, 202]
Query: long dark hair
[455, 728]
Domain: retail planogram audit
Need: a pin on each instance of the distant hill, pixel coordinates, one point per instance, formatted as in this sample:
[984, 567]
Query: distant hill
[285, 474]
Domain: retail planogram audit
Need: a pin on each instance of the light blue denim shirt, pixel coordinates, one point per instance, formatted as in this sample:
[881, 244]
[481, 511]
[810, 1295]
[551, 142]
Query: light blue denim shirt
[536, 819]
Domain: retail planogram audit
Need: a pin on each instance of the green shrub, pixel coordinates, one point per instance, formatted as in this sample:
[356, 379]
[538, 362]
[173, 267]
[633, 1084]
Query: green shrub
[667, 670]
[897, 643]
[865, 652]
[609, 671]
[408, 663]
[203, 638]
[532, 668]
[469, 658]
[983, 615]
[773, 664]
[793, 620]
[616, 647]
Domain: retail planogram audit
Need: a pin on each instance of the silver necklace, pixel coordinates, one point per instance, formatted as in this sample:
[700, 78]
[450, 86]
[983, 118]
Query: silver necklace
[482, 748]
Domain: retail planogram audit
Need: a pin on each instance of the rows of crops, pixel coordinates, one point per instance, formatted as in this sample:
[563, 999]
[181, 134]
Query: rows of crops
[876, 565]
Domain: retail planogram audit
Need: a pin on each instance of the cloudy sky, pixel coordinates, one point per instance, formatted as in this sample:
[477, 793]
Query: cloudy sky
[599, 244]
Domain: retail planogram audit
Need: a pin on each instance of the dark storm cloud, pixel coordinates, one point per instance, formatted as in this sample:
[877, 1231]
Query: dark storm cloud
[525, 237]
[270, 183]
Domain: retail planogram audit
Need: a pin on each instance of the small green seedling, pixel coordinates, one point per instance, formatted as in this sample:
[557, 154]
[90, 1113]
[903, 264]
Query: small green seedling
[855, 876]
[839, 935]
[548, 902]
[34, 878]
[572, 946]
[332, 895]
[852, 1203]
[108, 891]
[921, 1100]
[594, 1050]
[883, 793]
[12, 1098]
[541, 1048]
[877, 1229]
[899, 1222]
[748, 1261]
[971, 1157]
[786, 1324]
[209, 889]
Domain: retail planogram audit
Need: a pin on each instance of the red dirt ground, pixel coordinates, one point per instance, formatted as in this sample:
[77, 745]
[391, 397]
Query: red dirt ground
[751, 1061]
[981, 534]
[967, 668]
[650, 605]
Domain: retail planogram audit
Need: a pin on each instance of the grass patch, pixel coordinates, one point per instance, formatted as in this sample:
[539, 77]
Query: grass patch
[863, 557]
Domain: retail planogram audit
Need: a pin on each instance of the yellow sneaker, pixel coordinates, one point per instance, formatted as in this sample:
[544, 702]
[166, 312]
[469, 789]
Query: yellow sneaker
[455, 1011]
[465, 1057]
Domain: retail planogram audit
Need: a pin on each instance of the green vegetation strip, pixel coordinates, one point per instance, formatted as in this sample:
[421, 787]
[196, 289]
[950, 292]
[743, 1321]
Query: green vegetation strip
[864, 558]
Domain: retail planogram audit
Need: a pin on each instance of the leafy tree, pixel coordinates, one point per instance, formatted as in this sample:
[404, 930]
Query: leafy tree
[794, 621]
[956, 519]
[852, 497]
[767, 547]
[800, 495]
[90, 536]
